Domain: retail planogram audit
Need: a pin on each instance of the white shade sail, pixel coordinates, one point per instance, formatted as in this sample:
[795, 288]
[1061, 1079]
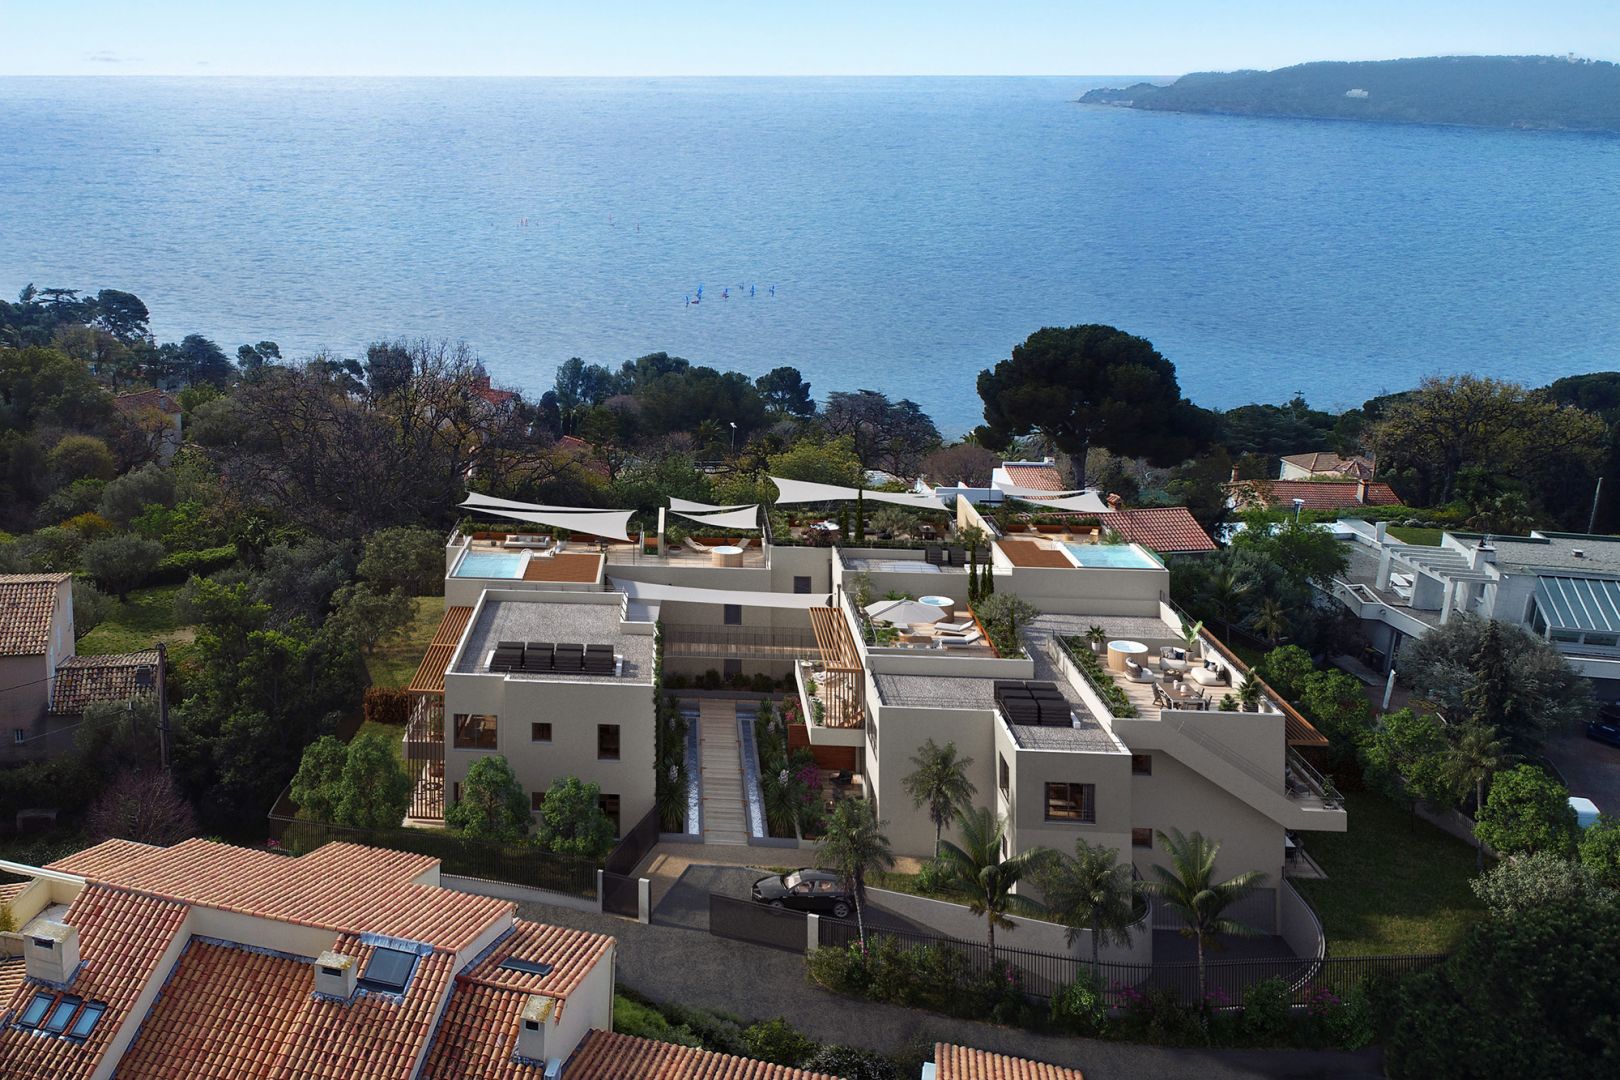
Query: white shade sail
[744, 518]
[803, 491]
[612, 524]
[646, 591]
[904, 612]
[681, 506]
[476, 501]
[1087, 502]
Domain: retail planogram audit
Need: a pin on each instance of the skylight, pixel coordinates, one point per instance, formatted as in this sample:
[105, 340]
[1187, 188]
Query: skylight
[65, 1008]
[527, 967]
[85, 1022]
[66, 1015]
[389, 971]
[36, 1010]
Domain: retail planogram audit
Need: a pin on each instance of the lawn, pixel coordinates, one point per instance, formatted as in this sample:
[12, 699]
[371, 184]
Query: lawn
[395, 661]
[1396, 884]
[140, 623]
[1410, 535]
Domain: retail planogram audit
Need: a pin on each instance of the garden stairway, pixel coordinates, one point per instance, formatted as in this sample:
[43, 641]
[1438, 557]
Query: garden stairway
[725, 818]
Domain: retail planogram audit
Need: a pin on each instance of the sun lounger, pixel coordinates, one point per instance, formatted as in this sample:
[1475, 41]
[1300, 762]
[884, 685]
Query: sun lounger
[692, 545]
[959, 641]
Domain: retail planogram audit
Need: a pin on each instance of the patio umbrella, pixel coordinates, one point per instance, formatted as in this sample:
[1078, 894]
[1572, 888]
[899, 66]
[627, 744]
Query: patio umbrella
[904, 612]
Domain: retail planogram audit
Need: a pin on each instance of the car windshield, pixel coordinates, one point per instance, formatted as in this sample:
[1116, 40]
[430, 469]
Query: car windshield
[792, 880]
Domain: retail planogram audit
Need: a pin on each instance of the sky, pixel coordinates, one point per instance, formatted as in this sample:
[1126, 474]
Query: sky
[759, 37]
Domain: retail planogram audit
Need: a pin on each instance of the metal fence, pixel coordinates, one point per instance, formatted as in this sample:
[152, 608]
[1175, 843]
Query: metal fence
[744, 920]
[1224, 981]
[519, 864]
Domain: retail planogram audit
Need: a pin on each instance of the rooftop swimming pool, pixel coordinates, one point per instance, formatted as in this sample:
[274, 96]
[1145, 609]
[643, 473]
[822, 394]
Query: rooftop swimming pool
[1127, 556]
[490, 564]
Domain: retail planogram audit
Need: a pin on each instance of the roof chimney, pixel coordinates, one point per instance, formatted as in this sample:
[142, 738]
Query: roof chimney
[335, 974]
[532, 1023]
[1361, 491]
[1234, 474]
[1115, 502]
[51, 951]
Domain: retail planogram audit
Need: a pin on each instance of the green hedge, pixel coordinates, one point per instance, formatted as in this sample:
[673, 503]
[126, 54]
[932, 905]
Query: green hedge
[1111, 692]
[177, 566]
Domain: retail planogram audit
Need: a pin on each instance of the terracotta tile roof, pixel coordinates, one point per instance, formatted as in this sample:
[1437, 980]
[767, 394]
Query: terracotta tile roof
[1039, 477]
[230, 1011]
[147, 399]
[104, 860]
[1324, 463]
[344, 888]
[572, 955]
[429, 677]
[27, 604]
[604, 1055]
[1168, 529]
[84, 680]
[965, 1063]
[1027, 553]
[122, 939]
[12, 971]
[1317, 494]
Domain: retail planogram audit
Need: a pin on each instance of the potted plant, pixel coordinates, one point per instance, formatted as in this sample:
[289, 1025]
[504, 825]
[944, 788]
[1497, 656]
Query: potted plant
[1096, 635]
[1249, 695]
[1189, 634]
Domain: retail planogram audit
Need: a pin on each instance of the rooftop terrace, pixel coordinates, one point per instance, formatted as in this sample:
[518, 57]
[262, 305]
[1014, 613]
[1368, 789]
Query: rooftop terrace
[543, 620]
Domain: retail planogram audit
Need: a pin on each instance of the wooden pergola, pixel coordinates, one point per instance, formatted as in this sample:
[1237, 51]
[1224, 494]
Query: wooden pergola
[424, 733]
[843, 689]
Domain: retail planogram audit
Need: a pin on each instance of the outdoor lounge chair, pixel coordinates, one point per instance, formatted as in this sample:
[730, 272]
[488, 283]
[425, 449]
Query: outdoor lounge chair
[960, 627]
[1136, 672]
[692, 545]
[934, 555]
[959, 641]
[956, 557]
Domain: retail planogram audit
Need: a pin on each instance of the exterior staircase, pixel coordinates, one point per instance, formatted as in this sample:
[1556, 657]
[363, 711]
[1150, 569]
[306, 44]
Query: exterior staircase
[725, 819]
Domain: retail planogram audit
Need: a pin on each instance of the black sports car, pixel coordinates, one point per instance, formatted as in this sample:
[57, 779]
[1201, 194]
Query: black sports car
[1606, 728]
[820, 891]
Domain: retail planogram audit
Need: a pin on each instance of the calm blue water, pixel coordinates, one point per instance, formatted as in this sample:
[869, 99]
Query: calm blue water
[490, 564]
[1114, 555]
[915, 229]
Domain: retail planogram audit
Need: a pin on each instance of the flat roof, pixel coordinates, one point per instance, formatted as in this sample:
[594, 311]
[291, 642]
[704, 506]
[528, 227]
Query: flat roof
[551, 620]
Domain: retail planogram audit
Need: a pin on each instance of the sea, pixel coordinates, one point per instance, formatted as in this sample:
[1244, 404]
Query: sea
[893, 234]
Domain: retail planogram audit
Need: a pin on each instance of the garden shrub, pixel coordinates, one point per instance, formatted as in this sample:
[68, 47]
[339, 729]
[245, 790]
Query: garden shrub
[1266, 1013]
[932, 877]
[843, 971]
[717, 1031]
[1350, 1023]
[852, 1063]
[177, 566]
[385, 705]
[646, 1022]
[1158, 1016]
[1079, 1008]
[777, 1041]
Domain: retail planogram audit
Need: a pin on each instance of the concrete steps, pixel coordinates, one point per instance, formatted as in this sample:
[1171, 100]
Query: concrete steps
[725, 819]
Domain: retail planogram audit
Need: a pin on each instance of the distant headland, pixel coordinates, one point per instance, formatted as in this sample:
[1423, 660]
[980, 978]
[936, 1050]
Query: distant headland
[1559, 93]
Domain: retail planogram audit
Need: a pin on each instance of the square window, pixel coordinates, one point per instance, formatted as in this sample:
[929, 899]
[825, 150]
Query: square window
[1071, 802]
[1142, 838]
[801, 584]
[1004, 776]
[1142, 764]
[539, 732]
[733, 614]
[389, 971]
[610, 807]
[607, 742]
[474, 731]
[537, 799]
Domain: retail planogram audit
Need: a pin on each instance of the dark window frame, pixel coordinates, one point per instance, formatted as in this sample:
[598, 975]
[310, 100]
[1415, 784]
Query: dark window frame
[539, 731]
[732, 614]
[611, 809]
[1081, 795]
[602, 739]
[1142, 838]
[486, 737]
[1141, 764]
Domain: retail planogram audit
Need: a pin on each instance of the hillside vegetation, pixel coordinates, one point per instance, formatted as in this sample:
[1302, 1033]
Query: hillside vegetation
[1537, 92]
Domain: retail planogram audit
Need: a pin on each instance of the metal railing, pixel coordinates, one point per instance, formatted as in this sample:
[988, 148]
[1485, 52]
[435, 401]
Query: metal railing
[720, 642]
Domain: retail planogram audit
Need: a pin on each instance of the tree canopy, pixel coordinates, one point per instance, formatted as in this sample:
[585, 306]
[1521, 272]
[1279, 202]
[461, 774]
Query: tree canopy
[1088, 385]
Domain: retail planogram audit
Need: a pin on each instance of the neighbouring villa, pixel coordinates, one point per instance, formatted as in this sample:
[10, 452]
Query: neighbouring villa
[1100, 716]
[1563, 587]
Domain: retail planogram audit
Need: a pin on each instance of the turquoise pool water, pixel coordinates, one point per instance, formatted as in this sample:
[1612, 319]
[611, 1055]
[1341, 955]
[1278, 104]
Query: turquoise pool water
[1116, 555]
[490, 564]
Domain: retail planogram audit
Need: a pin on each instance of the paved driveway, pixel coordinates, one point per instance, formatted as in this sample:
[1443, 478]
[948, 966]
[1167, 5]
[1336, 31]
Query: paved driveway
[1590, 768]
[675, 959]
[686, 903]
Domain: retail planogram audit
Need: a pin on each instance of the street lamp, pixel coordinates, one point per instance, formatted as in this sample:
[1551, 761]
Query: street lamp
[733, 438]
[1299, 504]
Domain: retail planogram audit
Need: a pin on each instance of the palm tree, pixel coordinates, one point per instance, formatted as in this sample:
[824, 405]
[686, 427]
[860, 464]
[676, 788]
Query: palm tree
[854, 845]
[940, 783]
[1189, 886]
[1090, 890]
[1225, 592]
[977, 869]
[1271, 620]
[1476, 756]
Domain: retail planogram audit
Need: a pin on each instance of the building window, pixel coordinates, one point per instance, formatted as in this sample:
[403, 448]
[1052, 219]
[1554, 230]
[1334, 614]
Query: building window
[731, 667]
[18, 735]
[1142, 764]
[607, 742]
[1071, 802]
[733, 614]
[610, 807]
[474, 731]
[539, 732]
[537, 799]
[1142, 838]
[801, 584]
[1004, 776]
